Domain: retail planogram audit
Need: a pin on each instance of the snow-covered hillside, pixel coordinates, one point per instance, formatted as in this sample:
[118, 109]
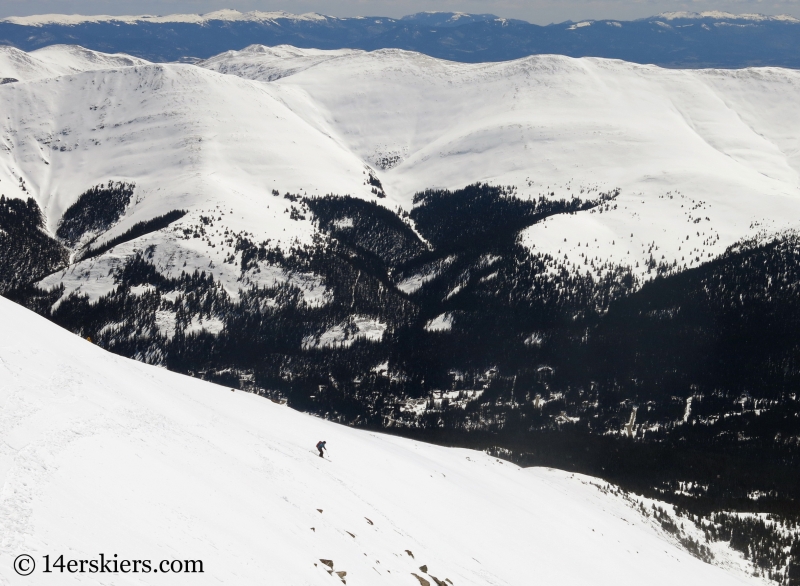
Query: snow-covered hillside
[271, 63]
[216, 146]
[100, 454]
[57, 60]
[703, 158]
[715, 14]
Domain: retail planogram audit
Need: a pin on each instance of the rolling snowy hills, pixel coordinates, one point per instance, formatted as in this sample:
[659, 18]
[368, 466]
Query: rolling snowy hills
[683, 146]
[100, 454]
[703, 158]
[676, 39]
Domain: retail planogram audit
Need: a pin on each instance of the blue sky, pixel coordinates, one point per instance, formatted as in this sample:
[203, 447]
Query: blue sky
[538, 11]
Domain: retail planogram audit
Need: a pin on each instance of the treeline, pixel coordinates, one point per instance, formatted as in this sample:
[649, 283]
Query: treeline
[371, 229]
[480, 212]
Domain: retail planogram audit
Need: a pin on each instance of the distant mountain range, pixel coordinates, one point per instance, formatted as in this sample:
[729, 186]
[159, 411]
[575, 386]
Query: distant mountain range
[677, 39]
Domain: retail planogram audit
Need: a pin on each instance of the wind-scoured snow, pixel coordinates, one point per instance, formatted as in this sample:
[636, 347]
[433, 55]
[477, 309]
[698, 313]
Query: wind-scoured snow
[101, 454]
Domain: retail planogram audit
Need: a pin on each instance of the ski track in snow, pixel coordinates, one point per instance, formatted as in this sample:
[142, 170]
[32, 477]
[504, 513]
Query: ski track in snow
[103, 454]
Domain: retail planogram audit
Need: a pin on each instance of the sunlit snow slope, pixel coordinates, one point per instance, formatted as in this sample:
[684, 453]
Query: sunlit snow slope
[188, 138]
[57, 60]
[100, 454]
[703, 158]
[709, 154]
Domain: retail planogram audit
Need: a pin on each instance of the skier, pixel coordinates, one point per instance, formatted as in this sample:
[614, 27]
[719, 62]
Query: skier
[320, 447]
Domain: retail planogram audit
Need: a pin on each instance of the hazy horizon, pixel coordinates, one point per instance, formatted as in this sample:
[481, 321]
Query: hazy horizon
[535, 11]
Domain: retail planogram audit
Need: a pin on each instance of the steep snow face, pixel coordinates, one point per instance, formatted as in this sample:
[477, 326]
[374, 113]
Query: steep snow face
[99, 454]
[58, 60]
[195, 137]
[711, 155]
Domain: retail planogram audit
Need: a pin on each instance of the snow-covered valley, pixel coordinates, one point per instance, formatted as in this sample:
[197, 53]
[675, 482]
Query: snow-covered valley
[100, 454]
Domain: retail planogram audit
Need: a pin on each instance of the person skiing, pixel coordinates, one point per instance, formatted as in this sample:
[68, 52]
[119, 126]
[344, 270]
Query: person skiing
[320, 447]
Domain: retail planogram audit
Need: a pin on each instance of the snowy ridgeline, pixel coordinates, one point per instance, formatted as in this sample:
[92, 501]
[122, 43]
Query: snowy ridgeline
[676, 39]
[702, 158]
[103, 454]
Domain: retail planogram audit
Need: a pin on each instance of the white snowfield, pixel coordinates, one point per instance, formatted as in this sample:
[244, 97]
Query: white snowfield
[100, 454]
[719, 15]
[227, 15]
[709, 154]
[271, 63]
[703, 158]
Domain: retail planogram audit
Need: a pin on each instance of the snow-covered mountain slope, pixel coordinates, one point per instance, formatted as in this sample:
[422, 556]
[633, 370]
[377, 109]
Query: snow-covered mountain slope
[100, 454]
[270, 63]
[712, 155]
[58, 60]
[188, 138]
[703, 158]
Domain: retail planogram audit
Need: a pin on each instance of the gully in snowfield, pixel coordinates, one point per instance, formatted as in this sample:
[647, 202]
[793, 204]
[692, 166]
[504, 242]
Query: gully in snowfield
[320, 447]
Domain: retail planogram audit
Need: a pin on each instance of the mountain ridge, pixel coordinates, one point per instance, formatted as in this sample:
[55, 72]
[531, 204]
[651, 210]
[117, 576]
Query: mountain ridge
[680, 39]
[429, 17]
